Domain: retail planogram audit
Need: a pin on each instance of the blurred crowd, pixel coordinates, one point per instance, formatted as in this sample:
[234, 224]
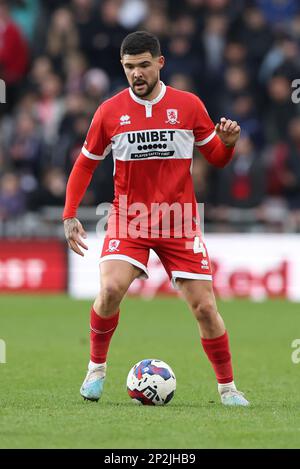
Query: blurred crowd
[60, 60]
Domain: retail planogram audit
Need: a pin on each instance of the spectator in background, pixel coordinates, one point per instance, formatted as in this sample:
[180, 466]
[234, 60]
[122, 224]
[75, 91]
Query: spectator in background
[12, 199]
[26, 146]
[52, 191]
[237, 83]
[275, 159]
[182, 81]
[2, 163]
[278, 12]
[41, 68]
[69, 142]
[290, 177]
[26, 103]
[185, 25]
[195, 8]
[158, 23]
[282, 58]
[85, 22]
[201, 173]
[50, 106]
[214, 43]
[25, 13]
[75, 104]
[105, 37]
[252, 31]
[132, 13]
[62, 37]
[242, 183]
[235, 54]
[279, 110]
[293, 28]
[290, 64]
[51, 5]
[182, 56]
[217, 6]
[14, 55]
[71, 139]
[75, 67]
[96, 86]
[244, 111]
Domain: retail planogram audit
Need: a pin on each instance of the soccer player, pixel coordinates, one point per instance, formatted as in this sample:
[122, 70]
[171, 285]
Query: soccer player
[151, 129]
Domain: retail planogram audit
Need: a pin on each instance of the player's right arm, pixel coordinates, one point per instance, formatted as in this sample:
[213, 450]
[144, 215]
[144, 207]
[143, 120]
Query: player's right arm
[96, 147]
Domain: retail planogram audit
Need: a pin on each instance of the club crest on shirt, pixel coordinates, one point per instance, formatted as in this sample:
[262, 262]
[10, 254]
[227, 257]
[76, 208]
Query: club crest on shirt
[172, 115]
[113, 245]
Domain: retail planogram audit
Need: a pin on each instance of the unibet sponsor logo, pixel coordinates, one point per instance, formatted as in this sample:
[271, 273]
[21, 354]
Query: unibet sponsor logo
[154, 143]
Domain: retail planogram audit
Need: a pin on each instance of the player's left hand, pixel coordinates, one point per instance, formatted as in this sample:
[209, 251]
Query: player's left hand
[228, 131]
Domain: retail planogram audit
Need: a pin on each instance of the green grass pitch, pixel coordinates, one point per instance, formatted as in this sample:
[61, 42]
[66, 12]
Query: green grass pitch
[47, 353]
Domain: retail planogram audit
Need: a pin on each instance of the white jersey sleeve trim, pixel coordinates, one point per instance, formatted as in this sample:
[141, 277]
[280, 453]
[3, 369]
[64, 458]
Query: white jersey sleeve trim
[206, 140]
[92, 156]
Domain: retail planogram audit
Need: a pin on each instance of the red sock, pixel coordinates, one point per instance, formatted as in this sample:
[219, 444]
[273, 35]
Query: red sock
[218, 353]
[102, 330]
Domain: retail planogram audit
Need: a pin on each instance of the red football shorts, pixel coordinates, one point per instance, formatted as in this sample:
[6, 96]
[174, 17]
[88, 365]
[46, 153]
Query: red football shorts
[181, 257]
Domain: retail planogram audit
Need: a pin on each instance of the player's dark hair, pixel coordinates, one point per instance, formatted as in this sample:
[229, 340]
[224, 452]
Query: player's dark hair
[139, 42]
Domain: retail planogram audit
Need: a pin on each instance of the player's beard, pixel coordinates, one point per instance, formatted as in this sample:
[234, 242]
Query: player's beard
[149, 88]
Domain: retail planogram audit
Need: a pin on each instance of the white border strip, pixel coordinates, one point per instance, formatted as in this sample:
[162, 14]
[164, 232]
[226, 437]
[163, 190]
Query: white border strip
[144, 102]
[101, 332]
[190, 131]
[96, 157]
[206, 140]
[122, 257]
[178, 274]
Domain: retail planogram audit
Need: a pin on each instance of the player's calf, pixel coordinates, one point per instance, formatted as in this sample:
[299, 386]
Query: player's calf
[210, 322]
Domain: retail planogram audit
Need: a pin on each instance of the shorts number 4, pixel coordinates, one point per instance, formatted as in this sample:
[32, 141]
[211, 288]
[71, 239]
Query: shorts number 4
[199, 247]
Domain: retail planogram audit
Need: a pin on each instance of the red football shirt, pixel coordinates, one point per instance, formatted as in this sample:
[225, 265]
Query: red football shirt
[152, 146]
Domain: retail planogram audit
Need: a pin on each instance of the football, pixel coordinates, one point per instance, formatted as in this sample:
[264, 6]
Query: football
[151, 382]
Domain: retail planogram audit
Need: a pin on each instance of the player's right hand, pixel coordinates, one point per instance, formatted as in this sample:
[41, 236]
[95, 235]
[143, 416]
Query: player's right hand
[74, 232]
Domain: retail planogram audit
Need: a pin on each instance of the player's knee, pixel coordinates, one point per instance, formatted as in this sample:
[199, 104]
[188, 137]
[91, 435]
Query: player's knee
[204, 311]
[110, 295]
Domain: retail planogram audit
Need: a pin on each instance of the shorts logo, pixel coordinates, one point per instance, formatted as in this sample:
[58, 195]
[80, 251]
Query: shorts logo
[125, 119]
[172, 115]
[113, 245]
[204, 264]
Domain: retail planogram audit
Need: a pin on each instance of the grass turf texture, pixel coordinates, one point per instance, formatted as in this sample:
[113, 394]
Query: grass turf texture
[47, 354]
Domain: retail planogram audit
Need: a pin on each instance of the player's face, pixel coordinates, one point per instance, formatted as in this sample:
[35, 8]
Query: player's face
[142, 72]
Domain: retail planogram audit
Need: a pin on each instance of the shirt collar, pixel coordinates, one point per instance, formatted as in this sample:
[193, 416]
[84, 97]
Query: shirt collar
[146, 102]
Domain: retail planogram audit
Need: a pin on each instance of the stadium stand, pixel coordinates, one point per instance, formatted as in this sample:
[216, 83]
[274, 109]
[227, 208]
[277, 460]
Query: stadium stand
[239, 56]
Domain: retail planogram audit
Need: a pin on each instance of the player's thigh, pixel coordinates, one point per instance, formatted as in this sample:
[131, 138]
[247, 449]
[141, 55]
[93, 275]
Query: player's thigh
[199, 294]
[187, 263]
[117, 275]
